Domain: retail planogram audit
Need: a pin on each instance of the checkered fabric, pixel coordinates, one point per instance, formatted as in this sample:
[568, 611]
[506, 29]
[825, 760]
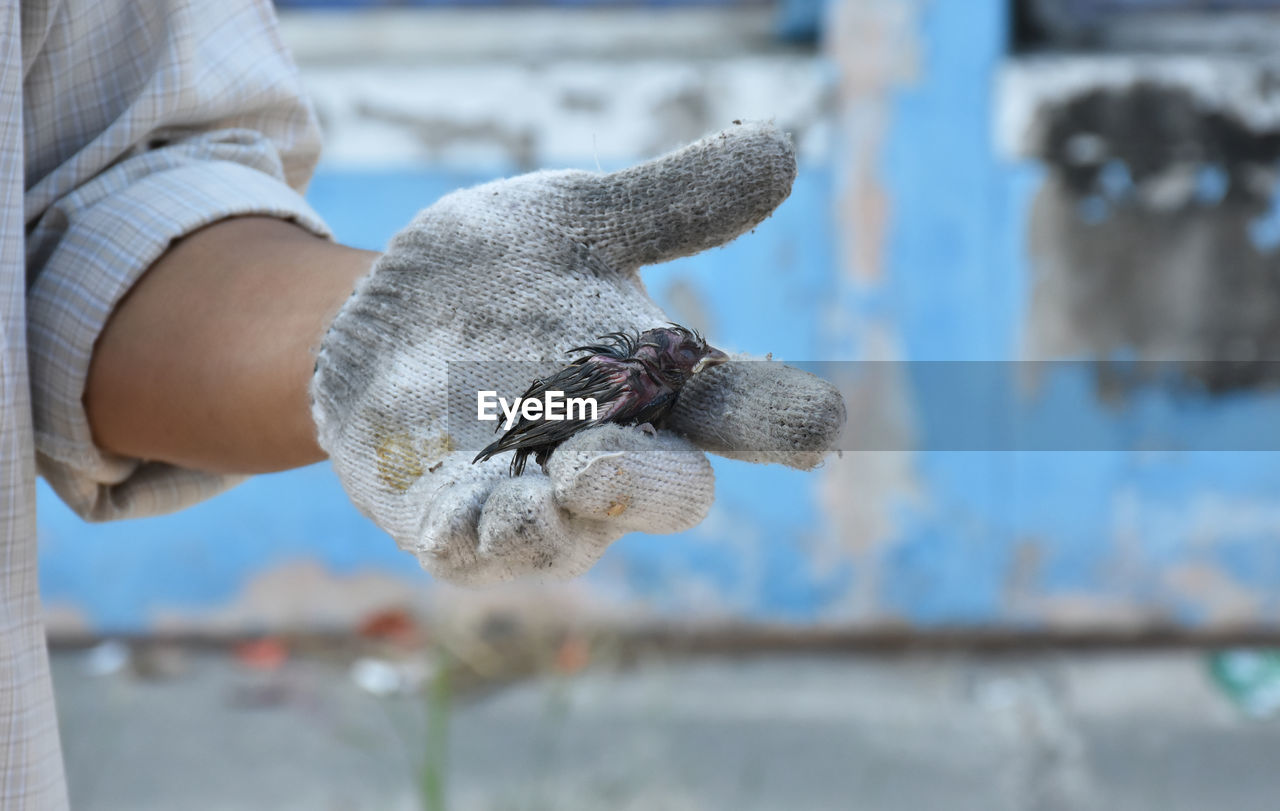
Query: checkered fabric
[123, 125]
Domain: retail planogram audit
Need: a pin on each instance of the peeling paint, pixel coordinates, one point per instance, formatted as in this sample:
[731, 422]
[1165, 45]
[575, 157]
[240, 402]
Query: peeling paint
[1245, 89]
[507, 115]
[1136, 235]
[873, 46]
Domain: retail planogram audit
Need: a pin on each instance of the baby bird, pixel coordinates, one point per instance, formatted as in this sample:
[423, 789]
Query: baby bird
[634, 379]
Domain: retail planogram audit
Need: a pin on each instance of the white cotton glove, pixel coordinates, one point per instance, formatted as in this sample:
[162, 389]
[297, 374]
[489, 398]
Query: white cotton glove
[519, 271]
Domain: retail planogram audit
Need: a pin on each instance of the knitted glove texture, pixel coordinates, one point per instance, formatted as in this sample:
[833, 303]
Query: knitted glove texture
[511, 275]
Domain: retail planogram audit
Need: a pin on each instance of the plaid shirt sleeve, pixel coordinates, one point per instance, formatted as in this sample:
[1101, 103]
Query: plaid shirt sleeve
[143, 122]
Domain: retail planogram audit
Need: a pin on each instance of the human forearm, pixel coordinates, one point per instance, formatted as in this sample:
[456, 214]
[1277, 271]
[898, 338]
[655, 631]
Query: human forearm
[206, 362]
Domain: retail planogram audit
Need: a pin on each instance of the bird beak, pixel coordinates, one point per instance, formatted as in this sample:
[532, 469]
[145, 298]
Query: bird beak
[714, 357]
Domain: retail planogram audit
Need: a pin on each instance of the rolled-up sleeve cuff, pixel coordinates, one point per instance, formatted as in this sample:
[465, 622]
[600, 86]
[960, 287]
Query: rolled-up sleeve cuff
[105, 249]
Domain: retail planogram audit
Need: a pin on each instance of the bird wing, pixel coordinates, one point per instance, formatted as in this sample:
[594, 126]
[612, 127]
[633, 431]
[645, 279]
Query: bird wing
[651, 412]
[578, 380]
[626, 392]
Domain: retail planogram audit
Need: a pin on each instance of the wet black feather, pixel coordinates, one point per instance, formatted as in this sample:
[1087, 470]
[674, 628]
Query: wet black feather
[635, 378]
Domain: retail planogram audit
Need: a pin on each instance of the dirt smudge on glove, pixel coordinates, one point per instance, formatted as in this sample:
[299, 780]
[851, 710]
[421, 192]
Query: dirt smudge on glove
[401, 461]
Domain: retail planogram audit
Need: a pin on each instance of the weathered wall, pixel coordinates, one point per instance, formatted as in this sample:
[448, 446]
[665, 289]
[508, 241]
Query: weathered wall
[909, 238]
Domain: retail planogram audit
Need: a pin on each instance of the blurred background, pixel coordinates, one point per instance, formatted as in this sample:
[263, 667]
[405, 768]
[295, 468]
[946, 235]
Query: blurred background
[1077, 624]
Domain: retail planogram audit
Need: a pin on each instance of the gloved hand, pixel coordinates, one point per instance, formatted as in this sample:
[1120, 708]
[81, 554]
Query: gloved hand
[523, 270]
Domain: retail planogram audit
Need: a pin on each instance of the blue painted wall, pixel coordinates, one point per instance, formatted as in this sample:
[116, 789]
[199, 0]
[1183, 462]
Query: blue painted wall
[1013, 538]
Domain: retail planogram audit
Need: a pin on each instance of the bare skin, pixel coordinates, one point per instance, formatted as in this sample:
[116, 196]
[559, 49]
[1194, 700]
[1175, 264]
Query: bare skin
[205, 363]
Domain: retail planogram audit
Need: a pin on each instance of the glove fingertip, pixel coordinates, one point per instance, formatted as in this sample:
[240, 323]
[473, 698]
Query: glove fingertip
[622, 477]
[698, 197]
[761, 411]
[522, 528]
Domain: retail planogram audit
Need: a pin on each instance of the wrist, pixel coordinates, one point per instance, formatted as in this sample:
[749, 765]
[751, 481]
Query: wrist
[205, 363]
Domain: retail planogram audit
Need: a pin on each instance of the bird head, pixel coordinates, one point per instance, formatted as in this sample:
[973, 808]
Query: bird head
[679, 353]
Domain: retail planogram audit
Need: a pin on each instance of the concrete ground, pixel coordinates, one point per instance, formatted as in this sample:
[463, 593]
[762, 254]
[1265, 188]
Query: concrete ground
[1132, 731]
